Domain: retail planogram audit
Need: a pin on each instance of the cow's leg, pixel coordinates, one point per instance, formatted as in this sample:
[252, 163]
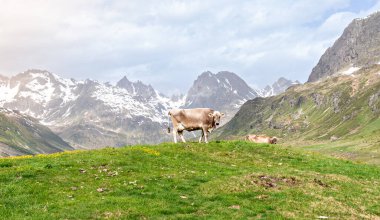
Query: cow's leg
[202, 135]
[181, 136]
[205, 132]
[175, 135]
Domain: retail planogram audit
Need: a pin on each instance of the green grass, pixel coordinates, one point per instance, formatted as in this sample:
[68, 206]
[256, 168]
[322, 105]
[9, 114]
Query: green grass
[220, 180]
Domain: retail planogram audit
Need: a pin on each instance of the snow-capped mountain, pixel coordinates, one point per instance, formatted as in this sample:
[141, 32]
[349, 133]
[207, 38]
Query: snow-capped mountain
[224, 91]
[88, 113]
[91, 114]
[278, 87]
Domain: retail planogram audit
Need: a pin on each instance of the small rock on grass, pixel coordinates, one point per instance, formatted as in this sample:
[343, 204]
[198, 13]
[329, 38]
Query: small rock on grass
[101, 190]
[82, 170]
[237, 207]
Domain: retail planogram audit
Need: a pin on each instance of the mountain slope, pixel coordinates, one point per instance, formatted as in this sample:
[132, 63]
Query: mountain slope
[20, 134]
[225, 180]
[337, 112]
[359, 46]
[343, 108]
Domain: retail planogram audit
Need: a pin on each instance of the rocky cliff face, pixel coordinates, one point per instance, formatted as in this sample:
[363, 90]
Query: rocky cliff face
[21, 134]
[359, 46]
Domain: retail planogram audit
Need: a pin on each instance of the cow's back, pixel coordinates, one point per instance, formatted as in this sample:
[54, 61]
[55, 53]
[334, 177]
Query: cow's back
[191, 117]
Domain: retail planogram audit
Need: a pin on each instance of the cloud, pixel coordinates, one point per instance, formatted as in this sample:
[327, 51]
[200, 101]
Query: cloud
[168, 43]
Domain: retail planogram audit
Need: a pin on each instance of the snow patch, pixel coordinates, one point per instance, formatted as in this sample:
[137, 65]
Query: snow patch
[40, 93]
[118, 100]
[350, 70]
[227, 81]
[8, 93]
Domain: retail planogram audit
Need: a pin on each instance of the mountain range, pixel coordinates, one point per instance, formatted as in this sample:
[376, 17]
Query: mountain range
[90, 114]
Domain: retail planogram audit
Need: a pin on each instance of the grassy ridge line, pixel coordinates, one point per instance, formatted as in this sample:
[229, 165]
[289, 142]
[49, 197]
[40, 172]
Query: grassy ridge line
[221, 180]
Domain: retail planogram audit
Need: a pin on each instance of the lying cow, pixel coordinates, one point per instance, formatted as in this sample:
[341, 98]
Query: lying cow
[204, 119]
[261, 139]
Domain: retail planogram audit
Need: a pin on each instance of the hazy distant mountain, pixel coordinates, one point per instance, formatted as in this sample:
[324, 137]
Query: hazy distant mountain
[359, 46]
[280, 86]
[137, 89]
[21, 134]
[224, 91]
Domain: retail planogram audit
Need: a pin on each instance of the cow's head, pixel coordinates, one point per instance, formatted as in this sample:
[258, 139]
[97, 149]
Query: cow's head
[273, 140]
[216, 115]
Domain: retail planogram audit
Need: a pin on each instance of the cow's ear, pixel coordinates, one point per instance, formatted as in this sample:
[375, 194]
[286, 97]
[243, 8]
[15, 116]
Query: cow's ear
[223, 114]
[210, 115]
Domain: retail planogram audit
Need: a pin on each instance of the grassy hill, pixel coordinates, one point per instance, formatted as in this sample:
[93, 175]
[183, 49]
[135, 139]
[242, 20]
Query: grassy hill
[339, 115]
[220, 180]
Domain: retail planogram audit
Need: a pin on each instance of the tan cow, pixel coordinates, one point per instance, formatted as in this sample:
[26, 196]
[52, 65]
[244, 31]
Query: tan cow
[204, 119]
[261, 139]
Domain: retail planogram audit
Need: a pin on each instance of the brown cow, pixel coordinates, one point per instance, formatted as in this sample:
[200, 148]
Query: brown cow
[261, 139]
[204, 119]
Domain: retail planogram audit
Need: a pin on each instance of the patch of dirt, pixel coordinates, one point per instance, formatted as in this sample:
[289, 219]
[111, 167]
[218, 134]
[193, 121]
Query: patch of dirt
[319, 182]
[273, 182]
[355, 87]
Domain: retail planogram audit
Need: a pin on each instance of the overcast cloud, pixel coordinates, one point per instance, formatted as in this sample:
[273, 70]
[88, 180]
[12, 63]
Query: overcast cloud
[168, 43]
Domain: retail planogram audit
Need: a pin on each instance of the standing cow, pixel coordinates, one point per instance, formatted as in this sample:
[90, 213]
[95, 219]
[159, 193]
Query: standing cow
[204, 119]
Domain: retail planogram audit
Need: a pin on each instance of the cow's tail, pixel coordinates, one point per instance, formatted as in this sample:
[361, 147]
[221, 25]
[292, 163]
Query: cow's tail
[169, 122]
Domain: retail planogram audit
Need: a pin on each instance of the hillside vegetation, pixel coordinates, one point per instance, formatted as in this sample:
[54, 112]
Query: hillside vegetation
[339, 115]
[220, 180]
[21, 134]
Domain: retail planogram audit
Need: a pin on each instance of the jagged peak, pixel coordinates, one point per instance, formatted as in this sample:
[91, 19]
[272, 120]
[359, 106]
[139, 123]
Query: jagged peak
[124, 79]
[206, 74]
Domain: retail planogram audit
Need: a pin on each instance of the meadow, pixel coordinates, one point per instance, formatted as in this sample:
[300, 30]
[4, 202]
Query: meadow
[219, 180]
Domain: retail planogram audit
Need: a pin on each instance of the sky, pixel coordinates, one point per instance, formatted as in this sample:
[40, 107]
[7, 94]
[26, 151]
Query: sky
[168, 43]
